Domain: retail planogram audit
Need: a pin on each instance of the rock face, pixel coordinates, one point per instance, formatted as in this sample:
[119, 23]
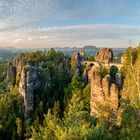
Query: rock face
[77, 59]
[11, 73]
[105, 94]
[104, 55]
[123, 58]
[28, 83]
[106, 86]
[87, 74]
[24, 74]
[82, 55]
[29, 76]
[76, 62]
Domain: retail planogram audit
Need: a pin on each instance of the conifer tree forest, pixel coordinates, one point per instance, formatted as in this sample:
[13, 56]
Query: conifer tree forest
[61, 103]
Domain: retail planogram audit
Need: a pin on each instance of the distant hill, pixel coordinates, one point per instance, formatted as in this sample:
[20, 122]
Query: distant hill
[90, 47]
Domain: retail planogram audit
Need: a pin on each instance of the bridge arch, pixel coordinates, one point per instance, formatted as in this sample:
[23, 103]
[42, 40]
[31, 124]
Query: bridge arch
[108, 65]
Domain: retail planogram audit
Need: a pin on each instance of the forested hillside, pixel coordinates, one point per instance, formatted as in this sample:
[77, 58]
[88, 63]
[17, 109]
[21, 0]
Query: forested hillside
[43, 96]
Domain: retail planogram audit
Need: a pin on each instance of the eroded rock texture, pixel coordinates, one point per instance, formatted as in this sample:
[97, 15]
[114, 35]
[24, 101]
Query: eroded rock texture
[123, 58]
[76, 62]
[82, 55]
[104, 55]
[28, 83]
[31, 76]
[105, 94]
[88, 73]
[11, 73]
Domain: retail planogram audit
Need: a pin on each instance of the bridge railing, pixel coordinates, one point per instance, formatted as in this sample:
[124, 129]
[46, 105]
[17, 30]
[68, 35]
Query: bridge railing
[119, 65]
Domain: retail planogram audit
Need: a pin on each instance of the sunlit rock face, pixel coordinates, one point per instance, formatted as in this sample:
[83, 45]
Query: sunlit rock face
[105, 94]
[106, 85]
[82, 55]
[104, 55]
[123, 58]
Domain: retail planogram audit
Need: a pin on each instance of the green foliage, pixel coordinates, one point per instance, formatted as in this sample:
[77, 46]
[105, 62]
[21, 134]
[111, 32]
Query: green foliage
[56, 109]
[131, 88]
[91, 58]
[3, 86]
[61, 104]
[10, 108]
[41, 56]
[3, 69]
[73, 63]
[122, 71]
[76, 124]
[130, 129]
[132, 54]
[132, 69]
[86, 97]
[103, 71]
[19, 127]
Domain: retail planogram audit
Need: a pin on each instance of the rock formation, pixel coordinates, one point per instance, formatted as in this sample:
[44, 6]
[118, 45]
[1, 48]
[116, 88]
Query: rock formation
[76, 62]
[11, 73]
[104, 55]
[29, 76]
[77, 59]
[87, 74]
[24, 74]
[82, 55]
[105, 94]
[106, 86]
[28, 83]
[123, 58]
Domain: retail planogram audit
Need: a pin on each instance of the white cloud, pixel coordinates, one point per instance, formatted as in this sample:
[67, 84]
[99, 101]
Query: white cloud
[43, 37]
[17, 40]
[95, 31]
[15, 13]
[111, 35]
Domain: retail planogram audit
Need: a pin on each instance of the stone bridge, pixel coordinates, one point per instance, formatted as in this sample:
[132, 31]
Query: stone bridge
[87, 63]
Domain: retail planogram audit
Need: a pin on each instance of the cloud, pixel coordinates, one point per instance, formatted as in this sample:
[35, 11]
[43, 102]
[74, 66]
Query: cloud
[111, 35]
[9, 28]
[17, 12]
[17, 40]
[21, 19]
[96, 31]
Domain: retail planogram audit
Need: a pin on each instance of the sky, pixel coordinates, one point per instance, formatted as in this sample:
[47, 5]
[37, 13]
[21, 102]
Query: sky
[69, 23]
